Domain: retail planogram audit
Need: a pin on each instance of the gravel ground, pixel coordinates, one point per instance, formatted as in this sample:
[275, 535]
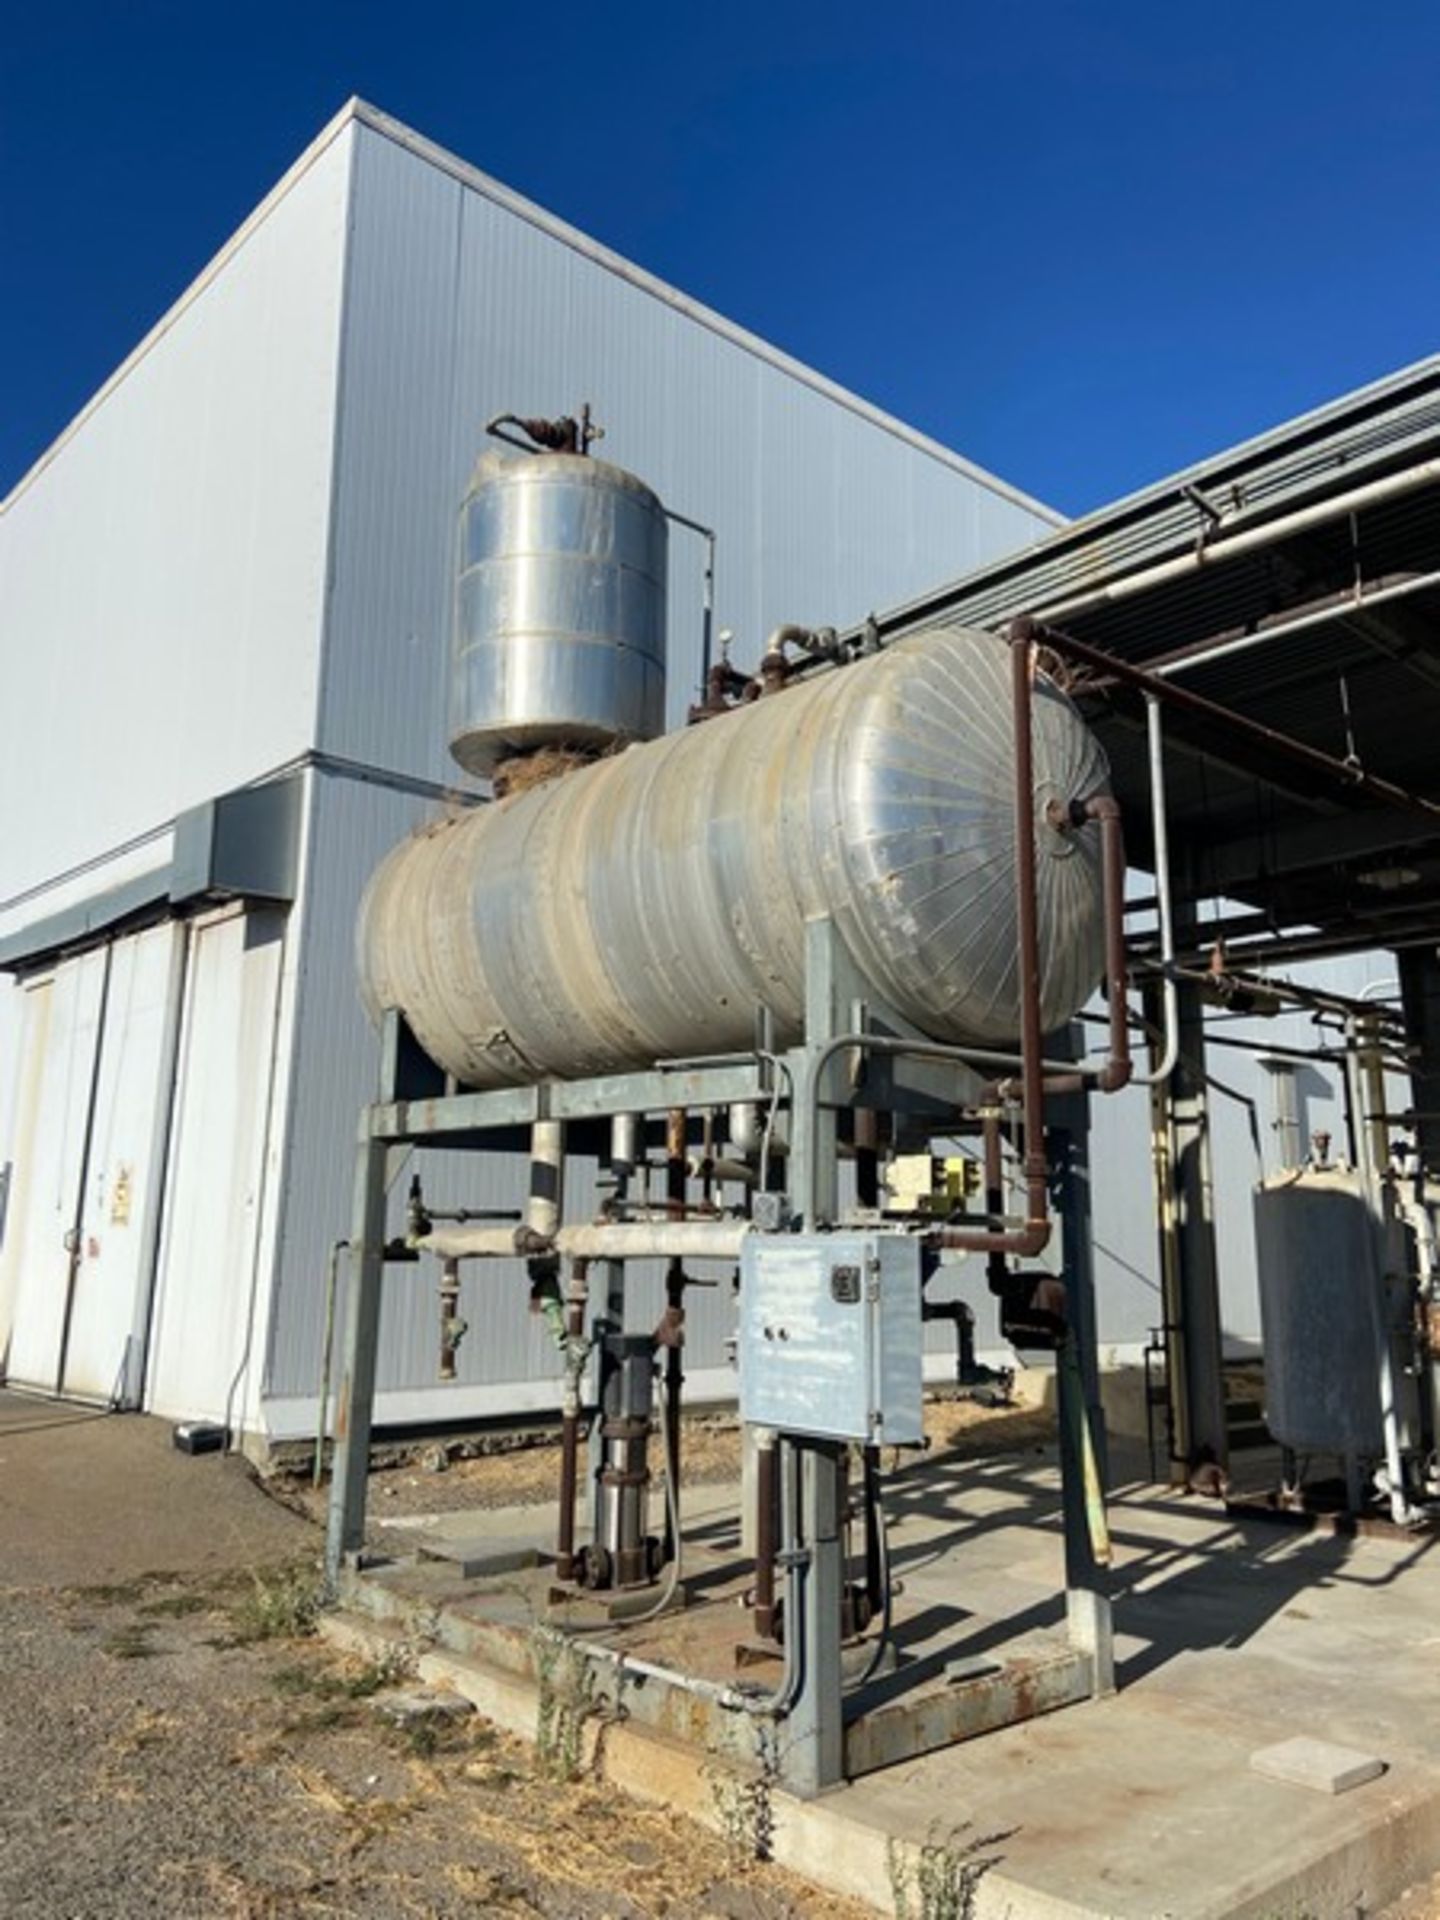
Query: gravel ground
[437, 1480]
[157, 1760]
[174, 1743]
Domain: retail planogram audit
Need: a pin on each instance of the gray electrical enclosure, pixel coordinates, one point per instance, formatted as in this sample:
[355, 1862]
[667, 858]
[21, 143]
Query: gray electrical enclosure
[830, 1335]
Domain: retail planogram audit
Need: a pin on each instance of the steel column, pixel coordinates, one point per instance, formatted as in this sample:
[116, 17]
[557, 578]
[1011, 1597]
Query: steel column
[355, 1404]
[1420, 994]
[815, 1743]
[1084, 1467]
[1180, 1124]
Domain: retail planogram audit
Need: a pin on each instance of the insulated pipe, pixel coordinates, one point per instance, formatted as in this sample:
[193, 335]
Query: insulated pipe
[1251, 539]
[1215, 551]
[625, 1149]
[742, 1122]
[547, 1175]
[603, 1240]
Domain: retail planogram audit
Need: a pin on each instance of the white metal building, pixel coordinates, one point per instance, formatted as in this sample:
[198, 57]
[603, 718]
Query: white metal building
[224, 606]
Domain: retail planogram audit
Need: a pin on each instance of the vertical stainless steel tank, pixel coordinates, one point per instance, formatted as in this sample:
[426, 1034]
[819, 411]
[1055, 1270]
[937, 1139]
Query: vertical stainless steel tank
[1327, 1310]
[559, 633]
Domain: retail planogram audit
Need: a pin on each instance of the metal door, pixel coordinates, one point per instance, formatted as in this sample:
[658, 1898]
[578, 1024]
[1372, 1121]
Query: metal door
[211, 1243]
[124, 1181]
[43, 1237]
[31, 1013]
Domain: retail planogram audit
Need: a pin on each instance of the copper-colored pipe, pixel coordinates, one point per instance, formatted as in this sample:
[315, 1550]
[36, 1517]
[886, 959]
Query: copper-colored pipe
[1341, 772]
[1031, 1239]
[578, 1295]
[1105, 808]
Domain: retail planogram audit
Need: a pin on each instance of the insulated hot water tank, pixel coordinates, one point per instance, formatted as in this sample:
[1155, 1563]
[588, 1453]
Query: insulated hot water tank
[559, 635]
[644, 906]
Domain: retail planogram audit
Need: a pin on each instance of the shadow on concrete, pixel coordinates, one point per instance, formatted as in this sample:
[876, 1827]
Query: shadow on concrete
[1190, 1577]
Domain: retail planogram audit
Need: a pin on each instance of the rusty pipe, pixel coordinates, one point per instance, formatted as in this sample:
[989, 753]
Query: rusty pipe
[1105, 808]
[1339, 771]
[1026, 1241]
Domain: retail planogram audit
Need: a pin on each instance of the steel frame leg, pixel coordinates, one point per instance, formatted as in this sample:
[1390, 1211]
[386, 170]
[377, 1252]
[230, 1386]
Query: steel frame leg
[815, 1731]
[1083, 1463]
[355, 1403]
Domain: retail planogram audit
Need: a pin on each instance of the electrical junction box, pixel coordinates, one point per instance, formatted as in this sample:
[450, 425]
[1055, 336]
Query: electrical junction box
[830, 1335]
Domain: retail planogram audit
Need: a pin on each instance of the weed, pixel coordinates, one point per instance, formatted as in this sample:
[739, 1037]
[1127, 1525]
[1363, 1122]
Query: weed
[131, 1642]
[938, 1881]
[173, 1606]
[283, 1606]
[119, 1593]
[566, 1682]
[356, 1683]
[744, 1812]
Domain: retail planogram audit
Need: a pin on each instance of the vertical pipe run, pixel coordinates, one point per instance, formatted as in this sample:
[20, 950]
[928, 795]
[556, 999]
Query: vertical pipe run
[547, 1174]
[449, 1316]
[576, 1301]
[874, 1557]
[674, 1313]
[1032, 1238]
[867, 1159]
[1022, 662]
[767, 1503]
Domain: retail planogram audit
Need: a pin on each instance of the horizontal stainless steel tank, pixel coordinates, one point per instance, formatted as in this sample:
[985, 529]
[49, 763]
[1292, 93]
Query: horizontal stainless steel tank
[1325, 1310]
[559, 635]
[643, 907]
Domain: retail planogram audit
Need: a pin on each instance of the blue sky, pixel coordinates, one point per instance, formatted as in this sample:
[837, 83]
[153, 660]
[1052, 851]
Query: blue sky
[1084, 244]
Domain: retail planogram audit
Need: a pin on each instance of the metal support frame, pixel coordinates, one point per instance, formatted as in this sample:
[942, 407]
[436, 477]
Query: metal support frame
[815, 1079]
[1084, 1463]
[1185, 1203]
[354, 1406]
[1420, 995]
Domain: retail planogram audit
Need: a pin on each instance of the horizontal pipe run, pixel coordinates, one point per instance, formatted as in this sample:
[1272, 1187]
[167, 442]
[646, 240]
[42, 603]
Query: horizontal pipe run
[604, 1240]
[1339, 772]
[1343, 606]
[1218, 548]
[1233, 546]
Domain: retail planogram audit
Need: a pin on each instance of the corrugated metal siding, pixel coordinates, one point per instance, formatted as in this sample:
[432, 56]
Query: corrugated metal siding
[336, 1061]
[162, 575]
[457, 309]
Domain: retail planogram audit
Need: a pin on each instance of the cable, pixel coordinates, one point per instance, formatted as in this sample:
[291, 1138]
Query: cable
[872, 1666]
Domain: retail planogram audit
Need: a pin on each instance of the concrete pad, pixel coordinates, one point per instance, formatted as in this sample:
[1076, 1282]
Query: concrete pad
[474, 1558]
[1233, 1636]
[1317, 1764]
